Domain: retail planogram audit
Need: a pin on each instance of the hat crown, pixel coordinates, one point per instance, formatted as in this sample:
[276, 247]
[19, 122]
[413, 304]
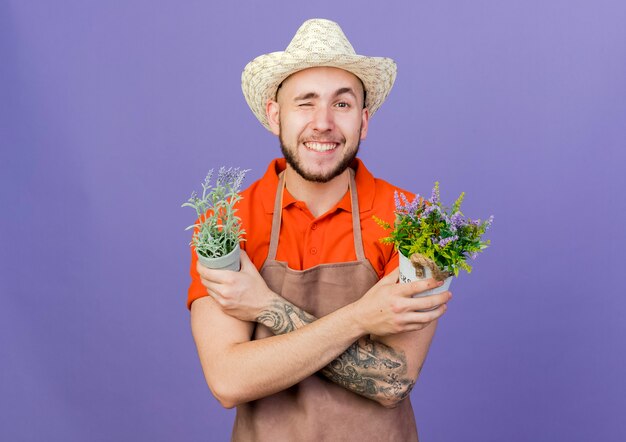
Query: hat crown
[320, 36]
[317, 43]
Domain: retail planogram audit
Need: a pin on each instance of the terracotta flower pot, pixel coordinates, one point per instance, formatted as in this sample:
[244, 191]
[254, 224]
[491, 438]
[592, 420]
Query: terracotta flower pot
[226, 262]
[408, 273]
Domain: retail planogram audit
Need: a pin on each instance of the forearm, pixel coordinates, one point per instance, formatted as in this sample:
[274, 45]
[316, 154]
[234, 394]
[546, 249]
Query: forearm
[248, 370]
[368, 367]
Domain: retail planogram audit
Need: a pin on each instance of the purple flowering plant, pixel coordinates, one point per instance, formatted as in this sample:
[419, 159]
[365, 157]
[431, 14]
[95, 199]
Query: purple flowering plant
[444, 236]
[217, 229]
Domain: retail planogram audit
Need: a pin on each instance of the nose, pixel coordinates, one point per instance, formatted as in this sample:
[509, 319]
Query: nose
[323, 119]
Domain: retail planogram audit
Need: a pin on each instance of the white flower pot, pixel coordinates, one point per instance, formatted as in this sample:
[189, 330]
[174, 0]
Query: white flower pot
[407, 274]
[227, 262]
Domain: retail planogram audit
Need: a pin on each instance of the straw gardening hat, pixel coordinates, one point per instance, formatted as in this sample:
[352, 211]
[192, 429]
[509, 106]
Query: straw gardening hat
[318, 42]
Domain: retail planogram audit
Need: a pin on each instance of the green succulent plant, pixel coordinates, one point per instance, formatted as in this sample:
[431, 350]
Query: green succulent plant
[217, 229]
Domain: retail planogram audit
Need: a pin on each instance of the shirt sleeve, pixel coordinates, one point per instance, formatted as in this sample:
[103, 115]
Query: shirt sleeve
[196, 289]
[393, 262]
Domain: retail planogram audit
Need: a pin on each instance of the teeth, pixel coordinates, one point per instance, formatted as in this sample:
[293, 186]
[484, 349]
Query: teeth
[320, 147]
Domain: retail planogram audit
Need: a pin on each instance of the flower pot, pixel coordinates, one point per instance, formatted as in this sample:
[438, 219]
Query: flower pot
[226, 262]
[408, 274]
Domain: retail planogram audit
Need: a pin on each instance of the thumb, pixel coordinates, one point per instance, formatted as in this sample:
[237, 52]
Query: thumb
[246, 262]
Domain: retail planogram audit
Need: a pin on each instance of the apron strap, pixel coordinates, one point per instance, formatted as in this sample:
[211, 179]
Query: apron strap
[278, 208]
[356, 218]
[276, 218]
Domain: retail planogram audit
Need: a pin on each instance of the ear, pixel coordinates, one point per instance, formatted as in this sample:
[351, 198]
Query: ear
[365, 118]
[272, 111]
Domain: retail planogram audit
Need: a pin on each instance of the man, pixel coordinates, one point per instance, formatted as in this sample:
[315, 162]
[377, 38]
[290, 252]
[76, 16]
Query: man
[314, 339]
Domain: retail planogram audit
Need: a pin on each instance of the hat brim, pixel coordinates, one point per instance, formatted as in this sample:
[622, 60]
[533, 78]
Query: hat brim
[262, 76]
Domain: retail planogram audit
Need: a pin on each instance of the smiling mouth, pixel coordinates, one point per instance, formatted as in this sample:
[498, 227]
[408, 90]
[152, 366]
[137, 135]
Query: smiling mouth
[320, 147]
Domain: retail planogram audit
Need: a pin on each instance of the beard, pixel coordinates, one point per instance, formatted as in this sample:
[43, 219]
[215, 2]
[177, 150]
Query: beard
[294, 161]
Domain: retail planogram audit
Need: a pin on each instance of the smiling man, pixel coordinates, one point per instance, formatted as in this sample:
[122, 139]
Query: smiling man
[330, 126]
[314, 339]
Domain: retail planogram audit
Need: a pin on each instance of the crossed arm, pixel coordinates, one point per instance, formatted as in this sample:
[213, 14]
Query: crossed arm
[374, 347]
[369, 368]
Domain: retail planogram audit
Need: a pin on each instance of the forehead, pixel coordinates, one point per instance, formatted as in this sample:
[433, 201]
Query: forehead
[320, 79]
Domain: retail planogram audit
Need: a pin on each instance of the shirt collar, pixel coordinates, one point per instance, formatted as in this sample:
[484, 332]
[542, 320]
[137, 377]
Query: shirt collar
[365, 184]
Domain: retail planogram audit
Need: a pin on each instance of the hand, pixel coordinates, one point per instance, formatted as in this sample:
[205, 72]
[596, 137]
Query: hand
[243, 294]
[389, 308]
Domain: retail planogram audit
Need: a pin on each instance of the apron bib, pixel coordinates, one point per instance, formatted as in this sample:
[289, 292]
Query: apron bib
[316, 409]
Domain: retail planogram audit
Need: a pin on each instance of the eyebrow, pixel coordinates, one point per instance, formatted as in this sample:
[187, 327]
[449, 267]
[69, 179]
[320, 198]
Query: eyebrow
[338, 92]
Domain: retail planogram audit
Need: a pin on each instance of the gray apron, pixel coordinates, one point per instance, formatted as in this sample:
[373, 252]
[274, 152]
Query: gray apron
[316, 409]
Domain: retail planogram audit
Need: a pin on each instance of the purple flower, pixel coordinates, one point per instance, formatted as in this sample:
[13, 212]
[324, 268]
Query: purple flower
[414, 205]
[231, 178]
[457, 220]
[405, 200]
[396, 200]
[489, 222]
[434, 197]
[239, 177]
[445, 241]
[404, 206]
[429, 209]
[207, 179]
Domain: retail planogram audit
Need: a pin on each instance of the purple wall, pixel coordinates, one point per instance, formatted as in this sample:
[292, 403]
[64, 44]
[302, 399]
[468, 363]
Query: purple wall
[112, 112]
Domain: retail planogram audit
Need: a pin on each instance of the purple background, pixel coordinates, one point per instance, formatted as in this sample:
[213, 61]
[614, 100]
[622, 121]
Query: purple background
[112, 112]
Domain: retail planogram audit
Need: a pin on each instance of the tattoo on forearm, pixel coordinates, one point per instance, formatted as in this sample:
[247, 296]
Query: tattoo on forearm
[369, 368]
[283, 317]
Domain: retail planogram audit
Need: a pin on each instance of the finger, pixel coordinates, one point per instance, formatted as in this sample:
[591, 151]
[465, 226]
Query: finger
[247, 266]
[430, 301]
[211, 286]
[416, 318]
[218, 298]
[245, 260]
[422, 303]
[213, 294]
[210, 289]
[411, 288]
[214, 275]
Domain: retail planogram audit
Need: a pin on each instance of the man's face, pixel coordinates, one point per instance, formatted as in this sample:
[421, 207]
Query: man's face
[320, 120]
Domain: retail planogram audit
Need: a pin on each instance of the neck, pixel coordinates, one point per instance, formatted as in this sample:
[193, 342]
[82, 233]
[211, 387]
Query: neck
[318, 197]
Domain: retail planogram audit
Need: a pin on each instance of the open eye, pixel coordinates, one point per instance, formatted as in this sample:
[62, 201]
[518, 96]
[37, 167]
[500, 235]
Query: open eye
[342, 104]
